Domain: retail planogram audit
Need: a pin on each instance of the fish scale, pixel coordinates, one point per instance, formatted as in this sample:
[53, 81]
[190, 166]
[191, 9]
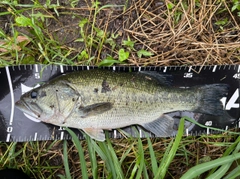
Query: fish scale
[18, 127]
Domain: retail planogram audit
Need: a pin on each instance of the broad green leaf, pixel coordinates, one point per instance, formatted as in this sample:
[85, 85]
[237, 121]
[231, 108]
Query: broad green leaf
[145, 53]
[109, 61]
[82, 23]
[83, 55]
[122, 55]
[129, 43]
[23, 21]
[170, 6]
[222, 22]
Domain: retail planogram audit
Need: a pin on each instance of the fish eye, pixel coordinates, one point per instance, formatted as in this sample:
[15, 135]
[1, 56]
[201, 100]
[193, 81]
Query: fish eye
[34, 94]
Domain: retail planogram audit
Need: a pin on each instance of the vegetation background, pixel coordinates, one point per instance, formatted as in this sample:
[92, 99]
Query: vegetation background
[122, 32]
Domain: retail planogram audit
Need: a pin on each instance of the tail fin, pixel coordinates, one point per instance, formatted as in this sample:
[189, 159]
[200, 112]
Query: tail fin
[211, 95]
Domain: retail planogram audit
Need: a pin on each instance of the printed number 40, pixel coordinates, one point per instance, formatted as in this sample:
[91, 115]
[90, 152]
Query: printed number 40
[236, 76]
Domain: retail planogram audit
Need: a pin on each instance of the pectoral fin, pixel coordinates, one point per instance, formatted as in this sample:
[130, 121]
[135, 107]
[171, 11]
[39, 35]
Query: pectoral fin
[95, 133]
[161, 127]
[94, 109]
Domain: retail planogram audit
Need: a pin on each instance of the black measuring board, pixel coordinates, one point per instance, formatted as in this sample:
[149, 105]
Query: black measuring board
[15, 80]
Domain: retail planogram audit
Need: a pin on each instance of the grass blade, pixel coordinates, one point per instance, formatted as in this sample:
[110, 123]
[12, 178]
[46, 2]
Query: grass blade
[109, 161]
[65, 160]
[234, 173]
[153, 157]
[80, 153]
[168, 156]
[103, 151]
[115, 160]
[93, 158]
[141, 158]
[234, 147]
[201, 168]
[224, 168]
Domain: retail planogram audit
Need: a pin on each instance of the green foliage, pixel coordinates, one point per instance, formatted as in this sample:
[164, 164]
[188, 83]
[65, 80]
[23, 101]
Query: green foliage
[222, 23]
[224, 162]
[129, 43]
[123, 55]
[170, 152]
[145, 53]
[80, 153]
[109, 61]
[170, 6]
[236, 5]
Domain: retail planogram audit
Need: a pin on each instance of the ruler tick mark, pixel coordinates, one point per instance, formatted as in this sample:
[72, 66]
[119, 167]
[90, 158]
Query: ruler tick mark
[8, 137]
[190, 68]
[36, 68]
[140, 133]
[187, 132]
[11, 94]
[62, 134]
[214, 68]
[35, 136]
[165, 69]
[61, 69]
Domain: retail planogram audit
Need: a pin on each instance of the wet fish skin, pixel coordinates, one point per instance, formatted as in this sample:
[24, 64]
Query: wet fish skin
[98, 100]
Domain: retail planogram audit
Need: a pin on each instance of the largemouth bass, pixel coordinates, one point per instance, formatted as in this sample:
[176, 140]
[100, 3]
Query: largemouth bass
[97, 100]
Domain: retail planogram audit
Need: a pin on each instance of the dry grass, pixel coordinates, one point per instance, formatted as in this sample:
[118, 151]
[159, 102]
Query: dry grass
[191, 39]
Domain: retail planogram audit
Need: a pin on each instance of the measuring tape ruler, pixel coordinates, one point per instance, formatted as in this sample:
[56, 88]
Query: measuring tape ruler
[16, 80]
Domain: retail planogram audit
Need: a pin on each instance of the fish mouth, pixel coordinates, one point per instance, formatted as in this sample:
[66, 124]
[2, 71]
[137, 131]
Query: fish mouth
[27, 109]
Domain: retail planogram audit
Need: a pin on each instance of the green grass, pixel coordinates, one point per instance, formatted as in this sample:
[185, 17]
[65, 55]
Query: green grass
[125, 158]
[147, 35]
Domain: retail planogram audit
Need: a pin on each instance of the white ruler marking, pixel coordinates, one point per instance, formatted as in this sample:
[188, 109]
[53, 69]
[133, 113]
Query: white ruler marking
[114, 133]
[190, 68]
[114, 68]
[238, 68]
[62, 134]
[61, 69]
[35, 136]
[87, 67]
[139, 68]
[226, 128]
[187, 132]
[214, 68]
[140, 133]
[8, 137]
[36, 68]
[207, 131]
[11, 93]
[165, 69]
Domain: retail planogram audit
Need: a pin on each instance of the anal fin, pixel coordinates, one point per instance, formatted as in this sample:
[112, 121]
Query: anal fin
[161, 127]
[95, 133]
